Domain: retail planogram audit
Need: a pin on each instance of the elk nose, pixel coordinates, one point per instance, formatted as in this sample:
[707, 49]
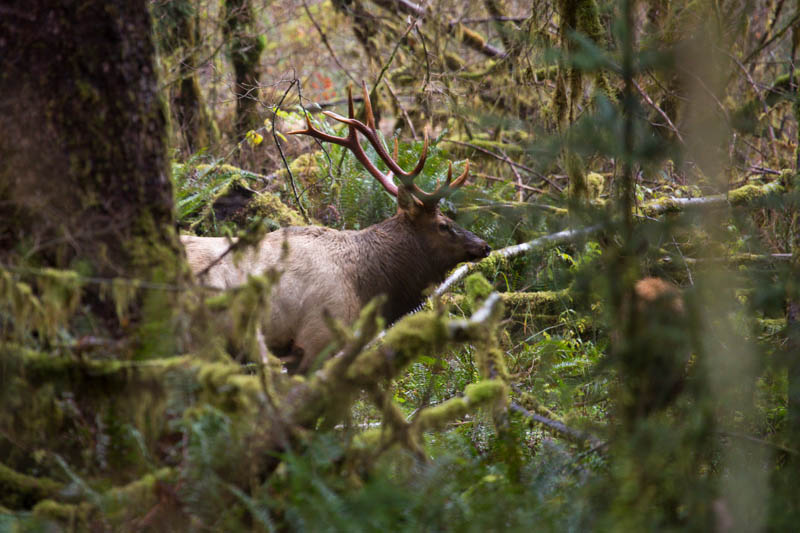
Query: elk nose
[486, 250]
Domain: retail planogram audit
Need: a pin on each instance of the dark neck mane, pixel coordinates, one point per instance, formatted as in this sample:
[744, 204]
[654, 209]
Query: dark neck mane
[392, 261]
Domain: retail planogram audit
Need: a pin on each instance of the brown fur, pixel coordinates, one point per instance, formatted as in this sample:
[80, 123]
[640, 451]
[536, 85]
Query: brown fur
[341, 271]
[650, 291]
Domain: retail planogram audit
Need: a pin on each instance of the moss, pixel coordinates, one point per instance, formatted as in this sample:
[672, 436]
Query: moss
[790, 179]
[475, 395]
[595, 183]
[498, 145]
[228, 387]
[578, 190]
[245, 49]
[269, 206]
[453, 61]
[223, 381]
[367, 440]
[419, 334]
[137, 497]
[661, 206]
[470, 37]
[477, 287]
[542, 74]
[488, 68]
[750, 193]
[440, 415]
[76, 516]
[488, 390]
[20, 490]
[520, 303]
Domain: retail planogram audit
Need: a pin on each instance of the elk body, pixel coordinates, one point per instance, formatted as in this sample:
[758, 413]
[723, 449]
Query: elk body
[338, 272]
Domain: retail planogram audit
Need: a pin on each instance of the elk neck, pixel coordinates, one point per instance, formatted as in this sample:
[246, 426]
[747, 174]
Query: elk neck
[393, 259]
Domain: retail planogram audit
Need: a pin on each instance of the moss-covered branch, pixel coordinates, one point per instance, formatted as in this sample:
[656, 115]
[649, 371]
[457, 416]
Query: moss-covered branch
[746, 196]
[21, 491]
[467, 36]
[343, 376]
[224, 382]
[540, 243]
[520, 303]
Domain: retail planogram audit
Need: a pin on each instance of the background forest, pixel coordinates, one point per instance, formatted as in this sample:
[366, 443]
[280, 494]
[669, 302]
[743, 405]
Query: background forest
[627, 359]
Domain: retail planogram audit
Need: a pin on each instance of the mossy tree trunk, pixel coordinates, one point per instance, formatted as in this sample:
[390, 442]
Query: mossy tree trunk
[85, 179]
[179, 32]
[245, 48]
[576, 16]
[85, 186]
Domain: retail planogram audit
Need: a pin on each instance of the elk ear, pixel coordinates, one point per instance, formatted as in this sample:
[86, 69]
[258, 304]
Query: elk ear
[409, 203]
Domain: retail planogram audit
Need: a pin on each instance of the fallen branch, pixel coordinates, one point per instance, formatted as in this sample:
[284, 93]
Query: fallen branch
[559, 428]
[747, 195]
[468, 37]
[536, 244]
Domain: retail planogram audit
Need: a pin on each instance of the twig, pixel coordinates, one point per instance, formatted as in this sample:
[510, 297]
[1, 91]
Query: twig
[506, 160]
[327, 43]
[394, 53]
[756, 440]
[516, 175]
[778, 35]
[402, 109]
[560, 428]
[659, 110]
[761, 98]
[504, 180]
[216, 261]
[410, 8]
[487, 19]
[294, 82]
[763, 170]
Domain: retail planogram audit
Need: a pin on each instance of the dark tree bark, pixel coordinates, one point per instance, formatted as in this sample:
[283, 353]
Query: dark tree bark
[84, 180]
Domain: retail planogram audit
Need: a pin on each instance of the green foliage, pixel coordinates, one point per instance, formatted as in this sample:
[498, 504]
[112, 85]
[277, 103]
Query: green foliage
[197, 186]
[588, 405]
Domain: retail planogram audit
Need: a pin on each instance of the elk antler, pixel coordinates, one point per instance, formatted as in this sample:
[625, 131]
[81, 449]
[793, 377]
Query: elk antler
[371, 133]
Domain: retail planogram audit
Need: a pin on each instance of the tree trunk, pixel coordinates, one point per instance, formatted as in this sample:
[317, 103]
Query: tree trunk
[179, 40]
[84, 181]
[245, 53]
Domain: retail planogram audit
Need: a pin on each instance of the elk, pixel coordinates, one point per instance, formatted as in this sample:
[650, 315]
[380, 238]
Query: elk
[339, 272]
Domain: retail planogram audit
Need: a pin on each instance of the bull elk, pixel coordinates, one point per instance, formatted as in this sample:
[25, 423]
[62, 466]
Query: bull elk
[341, 271]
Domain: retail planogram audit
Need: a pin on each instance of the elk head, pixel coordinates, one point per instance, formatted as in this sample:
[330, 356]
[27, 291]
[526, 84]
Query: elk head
[439, 235]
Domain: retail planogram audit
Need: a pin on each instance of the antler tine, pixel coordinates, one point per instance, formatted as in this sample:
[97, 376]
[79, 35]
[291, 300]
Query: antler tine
[371, 133]
[367, 107]
[446, 188]
[351, 142]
